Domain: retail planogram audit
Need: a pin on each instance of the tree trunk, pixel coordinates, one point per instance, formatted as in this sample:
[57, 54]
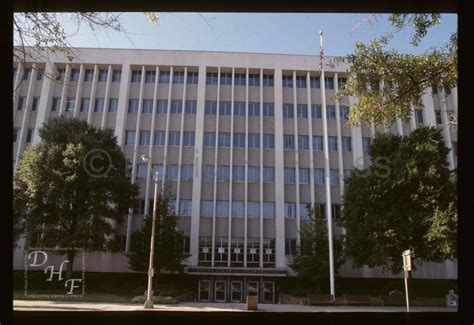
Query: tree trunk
[70, 257]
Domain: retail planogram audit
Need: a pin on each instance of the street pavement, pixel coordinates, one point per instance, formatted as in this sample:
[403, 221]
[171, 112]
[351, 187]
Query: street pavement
[30, 305]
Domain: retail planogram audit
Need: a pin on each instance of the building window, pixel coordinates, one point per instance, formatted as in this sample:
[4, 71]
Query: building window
[333, 177]
[287, 81]
[207, 208]
[113, 105]
[268, 110]
[89, 75]
[185, 208]
[142, 170]
[332, 142]
[438, 116]
[187, 173]
[254, 80]
[103, 75]
[211, 78]
[268, 174]
[316, 111]
[165, 77]
[157, 168]
[85, 104]
[268, 141]
[226, 78]
[238, 174]
[144, 138]
[290, 247]
[344, 112]
[224, 140]
[27, 73]
[34, 103]
[162, 106]
[336, 211]
[74, 75]
[172, 172]
[434, 89]
[99, 105]
[174, 138]
[176, 106]
[60, 74]
[315, 82]
[192, 78]
[447, 91]
[223, 173]
[130, 137]
[191, 106]
[320, 210]
[418, 116]
[71, 104]
[341, 82]
[347, 173]
[150, 76]
[290, 210]
[136, 75]
[305, 211]
[222, 208]
[269, 210]
[159, 138]
[178, 77]
[288, 141]
[253, 209]
[225, 108]
[238, 209]
[39, 74]
[254, 109]
[317, 143]
[29, 135]
[300, 82]
[253, 175]
[267, 80]
[319, 176]
[302, 111]
[288, 110]
[239, 140]
[15, 135]
[290, 176]
[331, 111]
[239, 79]
[210, 107]
[208, 173]
[209, 139]
[147, 106]
[304, 176]
[55, 105]
[21, 103]
[116, 75]
[329, 82]
[365, 144]
[253, 141]
[346, 144]
[188, 139]
[133, 105]
[239, 109]
[303, 142]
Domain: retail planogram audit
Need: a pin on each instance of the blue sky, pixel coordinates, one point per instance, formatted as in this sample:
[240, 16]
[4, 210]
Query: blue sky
[258, 32]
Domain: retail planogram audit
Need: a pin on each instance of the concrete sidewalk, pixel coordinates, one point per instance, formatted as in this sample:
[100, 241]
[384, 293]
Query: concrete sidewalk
[30, 305]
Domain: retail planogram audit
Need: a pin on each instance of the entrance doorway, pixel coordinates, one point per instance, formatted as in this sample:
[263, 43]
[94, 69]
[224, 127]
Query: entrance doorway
[269, 291]
[252, 288]
[219, 290]
[236, 291]
[204, 290]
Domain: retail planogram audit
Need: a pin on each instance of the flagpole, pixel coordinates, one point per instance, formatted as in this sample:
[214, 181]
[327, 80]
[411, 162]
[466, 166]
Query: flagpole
[326, 166]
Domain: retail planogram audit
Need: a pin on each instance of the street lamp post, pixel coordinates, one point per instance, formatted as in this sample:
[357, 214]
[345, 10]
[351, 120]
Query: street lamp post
[149, 298]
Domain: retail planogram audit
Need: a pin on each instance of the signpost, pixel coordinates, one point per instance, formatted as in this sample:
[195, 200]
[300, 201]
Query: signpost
[407, 269]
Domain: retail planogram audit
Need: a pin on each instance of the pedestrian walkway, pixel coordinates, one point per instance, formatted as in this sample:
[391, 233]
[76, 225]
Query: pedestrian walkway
[29, 305]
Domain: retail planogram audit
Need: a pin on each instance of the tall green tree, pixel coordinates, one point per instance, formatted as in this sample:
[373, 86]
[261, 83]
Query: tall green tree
[405, 199]
[72, 187]
[311, 262]
[168, 246]
[405, 76]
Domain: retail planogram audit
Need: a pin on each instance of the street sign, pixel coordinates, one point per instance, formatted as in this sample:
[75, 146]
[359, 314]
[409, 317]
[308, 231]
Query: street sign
[407, 260]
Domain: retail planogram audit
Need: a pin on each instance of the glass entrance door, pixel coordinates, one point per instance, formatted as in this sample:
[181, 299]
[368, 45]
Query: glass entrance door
[204, 290]
[236, 291]
[219, 291]
[269, 291]
[252, 288]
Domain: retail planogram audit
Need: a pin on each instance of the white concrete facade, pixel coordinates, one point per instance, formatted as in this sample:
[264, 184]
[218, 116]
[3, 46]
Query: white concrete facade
[272, 208]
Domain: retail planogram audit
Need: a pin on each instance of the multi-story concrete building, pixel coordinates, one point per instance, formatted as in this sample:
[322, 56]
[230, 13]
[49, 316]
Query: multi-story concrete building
[238, 138]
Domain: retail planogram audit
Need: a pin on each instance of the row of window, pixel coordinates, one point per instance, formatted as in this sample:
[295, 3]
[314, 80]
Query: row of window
[164, 77]
[419, 116]
[225, 108]
[302, 111]
[70, 105]
[319, 177]
[314, 82]
[303, 143]
[27, 73]
[176, 106]
[239, 79]
[222, 174]
[89, 75]
[171, 172]
[29, 135]
[159, 138]
[224, 140]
